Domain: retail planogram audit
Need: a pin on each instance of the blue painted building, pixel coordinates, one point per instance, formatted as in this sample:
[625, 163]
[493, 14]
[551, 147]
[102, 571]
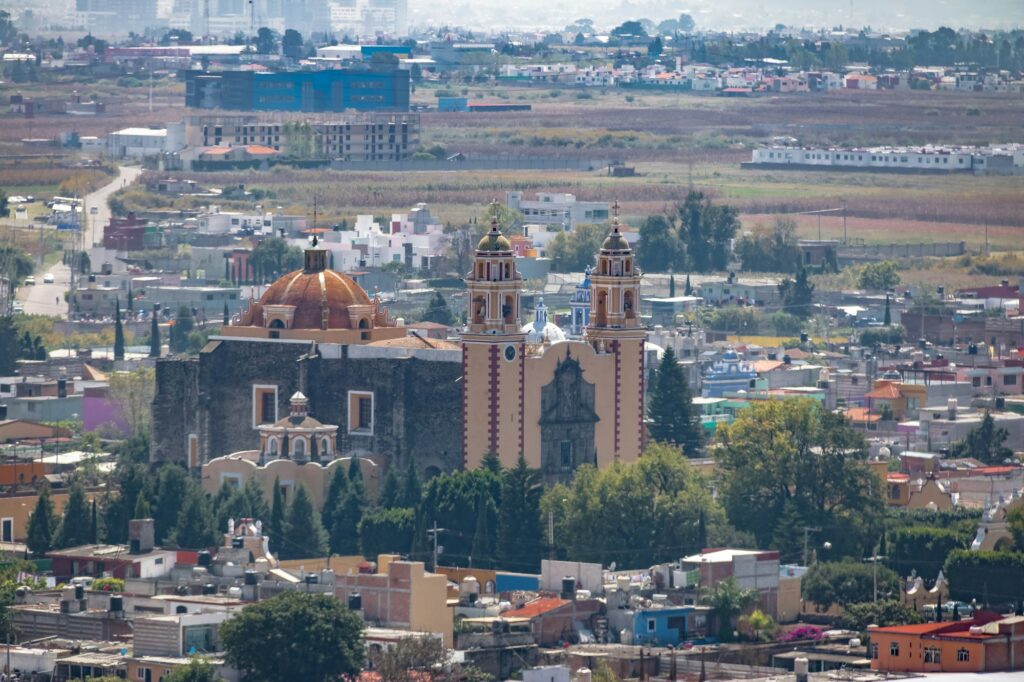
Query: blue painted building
[579, 306]
[299, 91]
[670, 625]
[728, 375]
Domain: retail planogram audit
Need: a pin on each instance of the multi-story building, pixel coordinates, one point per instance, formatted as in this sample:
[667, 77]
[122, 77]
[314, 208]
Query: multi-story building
[557, 209]
[347, 138]
[985, 643]
[306, 91]
[117, 16]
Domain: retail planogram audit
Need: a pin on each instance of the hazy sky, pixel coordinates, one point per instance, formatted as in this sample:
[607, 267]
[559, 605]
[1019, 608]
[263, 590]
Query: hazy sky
[727, 14]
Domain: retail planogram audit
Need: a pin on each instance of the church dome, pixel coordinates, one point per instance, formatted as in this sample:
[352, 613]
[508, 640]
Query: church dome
[494, 241]
[541, 330]
[312, 294]
[615, 241]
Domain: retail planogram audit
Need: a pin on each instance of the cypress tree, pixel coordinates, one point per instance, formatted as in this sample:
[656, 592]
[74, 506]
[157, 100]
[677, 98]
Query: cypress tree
[142, 508]
[411, 490]
[670, 408]
[94, 524]
[40, 524]
[131, 302]
[671, 285]
[687, 289]
[390, 493]
[172, 487]
[227, 315]
[305, 533]
[345, 522]
[491, 463]
[255, 502]
[887, 321]
[520, 531]
[277, 512]
[118, 332]
[335, 491]
[482, 553]
[154, 336]
[354, 472]
[74, 529]
[195, 527]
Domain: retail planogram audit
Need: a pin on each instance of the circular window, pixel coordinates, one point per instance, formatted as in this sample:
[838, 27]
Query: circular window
[510, 352]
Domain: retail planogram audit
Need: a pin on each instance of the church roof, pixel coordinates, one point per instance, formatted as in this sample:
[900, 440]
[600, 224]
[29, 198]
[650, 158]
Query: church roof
[494, 240]
[311, 293]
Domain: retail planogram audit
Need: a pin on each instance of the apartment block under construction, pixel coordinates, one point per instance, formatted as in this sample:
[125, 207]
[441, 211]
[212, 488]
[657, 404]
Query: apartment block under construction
[345, 137]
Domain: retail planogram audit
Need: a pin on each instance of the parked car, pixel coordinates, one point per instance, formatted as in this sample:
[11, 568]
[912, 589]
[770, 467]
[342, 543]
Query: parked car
[30, 281]
[18, 307]
[48, 278]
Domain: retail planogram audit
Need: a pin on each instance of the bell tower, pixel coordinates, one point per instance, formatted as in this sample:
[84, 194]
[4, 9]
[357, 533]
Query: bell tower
[615, 329]
[493, 346]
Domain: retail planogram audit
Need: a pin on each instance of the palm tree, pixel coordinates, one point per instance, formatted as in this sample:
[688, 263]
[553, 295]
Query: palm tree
[727, 599]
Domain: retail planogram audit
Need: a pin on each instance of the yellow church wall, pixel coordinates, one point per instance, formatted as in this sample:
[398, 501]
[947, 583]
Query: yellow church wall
[478, 389]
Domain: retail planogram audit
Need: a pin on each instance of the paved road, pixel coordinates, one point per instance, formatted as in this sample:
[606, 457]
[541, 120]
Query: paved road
[48, 299]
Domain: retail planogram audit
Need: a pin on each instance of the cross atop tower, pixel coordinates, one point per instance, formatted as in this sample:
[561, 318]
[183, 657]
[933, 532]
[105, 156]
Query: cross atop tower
[615, 212]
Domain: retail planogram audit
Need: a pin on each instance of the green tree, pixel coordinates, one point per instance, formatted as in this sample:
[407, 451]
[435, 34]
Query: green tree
[629, 29]
[181, 327]
[774, 250]
[795, 450]
[295, 636]
[707, 231]
[989, 577]
[305, 535]
[797, 294]
[659, 248]
[483, 548]
[74, 529]
[520, 540]
[40, 524]
[277, 518]
[383, 531]
[390, 490]
[10, 346]
[858, 617]
[154, 335]
[348, 513]
[336, 490]
[637, 514]
[880, 276]
[171, 489]
[273, 257]
[227, 315]
[452, 500]
[574, 251]
[671, 408]
[438, 310]
[728, 600]
[984, 442]
[847, 582]
[887, 320]
[195, 526]
[266, 41]
[291, 44]
[1015, 522]
[924, 548]
[412, 492]
[142, 508]
[197, 670]
[118, 332]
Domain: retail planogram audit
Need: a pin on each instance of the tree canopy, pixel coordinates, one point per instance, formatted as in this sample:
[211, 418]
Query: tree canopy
[984, 442]
[671, 408]
[574, 251]
[295, 636]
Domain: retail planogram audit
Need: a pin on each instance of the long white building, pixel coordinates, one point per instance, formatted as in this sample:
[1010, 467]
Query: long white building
[1007, 159]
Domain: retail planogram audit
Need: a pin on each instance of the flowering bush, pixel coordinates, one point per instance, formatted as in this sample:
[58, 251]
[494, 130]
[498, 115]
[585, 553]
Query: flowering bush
[803, 632]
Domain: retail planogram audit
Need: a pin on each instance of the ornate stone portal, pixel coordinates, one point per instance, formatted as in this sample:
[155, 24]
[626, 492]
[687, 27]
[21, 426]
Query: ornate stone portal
[567, 421]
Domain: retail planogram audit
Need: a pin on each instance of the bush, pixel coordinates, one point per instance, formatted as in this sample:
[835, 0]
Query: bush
[108, 585]
[883, 613]
[893, 335]
[989, 577]
[846, 582]
[804, 632]
[973, 111]
[584, 95]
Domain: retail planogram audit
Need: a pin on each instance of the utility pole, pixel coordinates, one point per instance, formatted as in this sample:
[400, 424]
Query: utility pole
[844, 222]
[807, 535]
[433, 532]
[874, 573]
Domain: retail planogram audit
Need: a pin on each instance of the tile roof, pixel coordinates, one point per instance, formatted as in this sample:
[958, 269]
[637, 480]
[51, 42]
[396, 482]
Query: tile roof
[537, 607]
[861, 414]
[884, 392]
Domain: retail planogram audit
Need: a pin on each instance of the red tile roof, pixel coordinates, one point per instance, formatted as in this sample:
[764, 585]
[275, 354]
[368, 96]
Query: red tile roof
[884, 392]
[536, 607]
[861, 414]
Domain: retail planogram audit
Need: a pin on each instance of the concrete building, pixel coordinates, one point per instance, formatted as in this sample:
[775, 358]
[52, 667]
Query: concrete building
[733, 290]
[943, 159]
[985, 643]
[558, 209]
[139, 143]
[401, 595]
[752, 569]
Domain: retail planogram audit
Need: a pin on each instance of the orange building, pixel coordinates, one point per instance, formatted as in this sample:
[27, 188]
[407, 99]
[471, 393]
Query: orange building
[986, 643]
[560, 404]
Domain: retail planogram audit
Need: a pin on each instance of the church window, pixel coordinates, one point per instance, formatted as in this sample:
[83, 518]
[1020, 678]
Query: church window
[325, 446]
[272, 447]
[264, 404]
[299, 447]
[360, 413]
[508, 310]
[963, 655]
[565, 454]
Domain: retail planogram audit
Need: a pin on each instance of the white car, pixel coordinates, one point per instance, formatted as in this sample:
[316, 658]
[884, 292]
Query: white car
[18, 307]
[48, 278]
[30, 281]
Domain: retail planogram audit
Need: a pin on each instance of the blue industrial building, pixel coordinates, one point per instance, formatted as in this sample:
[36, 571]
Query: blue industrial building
[299, 91]
[669, 625]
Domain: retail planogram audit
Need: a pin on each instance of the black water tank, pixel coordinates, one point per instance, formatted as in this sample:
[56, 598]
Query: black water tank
[568, 587]
[204, 559]
[251, 577]
[355, 601]
[116, 603]
[209, 588]
[238, 543]
[312, 579]
[79, 592]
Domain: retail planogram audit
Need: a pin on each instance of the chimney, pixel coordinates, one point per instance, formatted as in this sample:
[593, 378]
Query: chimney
[141, 535]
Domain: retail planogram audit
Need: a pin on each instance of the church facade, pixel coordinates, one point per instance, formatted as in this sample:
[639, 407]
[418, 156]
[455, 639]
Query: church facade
[393, 397]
